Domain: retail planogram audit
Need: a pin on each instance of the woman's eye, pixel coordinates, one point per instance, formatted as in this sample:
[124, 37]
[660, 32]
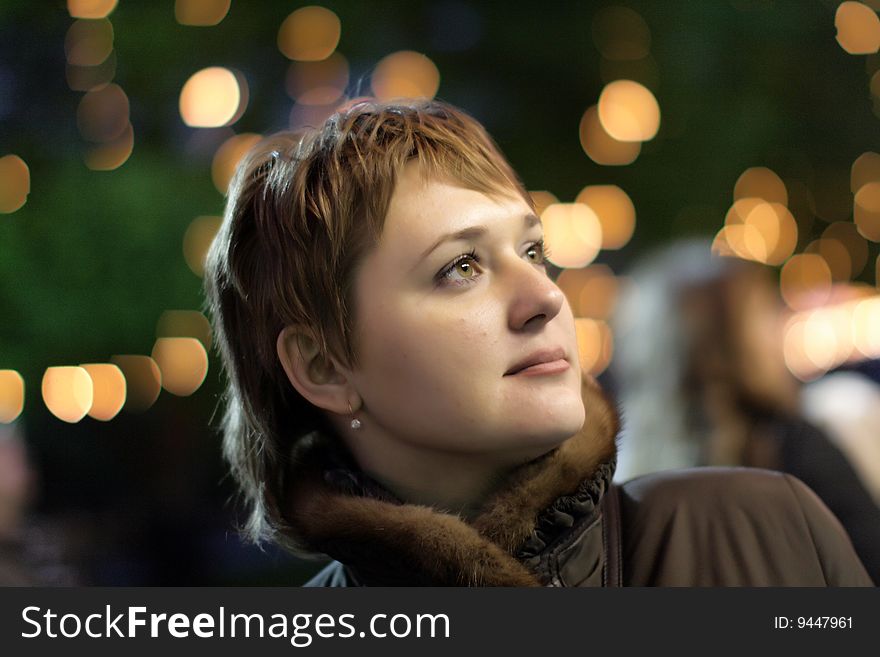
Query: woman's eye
[463, 270]
[537, 253]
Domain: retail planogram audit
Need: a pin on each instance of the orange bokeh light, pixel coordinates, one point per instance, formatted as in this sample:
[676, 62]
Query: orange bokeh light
[15, 183]
[309, 34]
[108, 385]
[213, 97]
[762, 183]
[865, 169]
[601, 147]
[616, 212]
[858, 28]
[591, 291]
[542, 199]
[228, 156]
[595, 345]
[103, 113]
[183, 363]
[143, 381]
[184, 324]
[113, 154]
[90, 8]
[67, 392]
[866, 211]
[197, 240]
[805, 281]
[405, 74]
[201, 13]
[318, 83]
[572, 233]
[88, 42]
[11, 395]
[628, 111]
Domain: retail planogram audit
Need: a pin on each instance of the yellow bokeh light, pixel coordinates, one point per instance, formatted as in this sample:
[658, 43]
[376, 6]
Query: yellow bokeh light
[762, 183]
[541, 199]
[184, 324]
[102, 114]
[591, 291]
[805, 281]
[183, 363]
[866, 327]
[143, 381]
[197, 240]
[620, 33]
[572, 233]
[820, 340]
[86, 78]
[228, 156]
[67, 392]
[11, 395]
[200, 13]
[858, 28]
[213, 97]
[108, 385]
[758, 230]
[865, 169]
[856, 247]
[595, 345]
[90, 8]
[405, 74]
[835, 256]
[616, 212]
[309, 34]
[628, 111]
[15, 183]
[318, 83]
[113, 154]
[601, 147]
[88, 42]
[866, 211]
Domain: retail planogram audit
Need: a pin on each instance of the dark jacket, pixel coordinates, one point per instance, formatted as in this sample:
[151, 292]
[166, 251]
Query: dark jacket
[558, 521]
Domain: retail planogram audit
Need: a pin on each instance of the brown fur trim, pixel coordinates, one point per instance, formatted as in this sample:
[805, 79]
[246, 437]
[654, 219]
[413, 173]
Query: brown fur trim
[407, 544]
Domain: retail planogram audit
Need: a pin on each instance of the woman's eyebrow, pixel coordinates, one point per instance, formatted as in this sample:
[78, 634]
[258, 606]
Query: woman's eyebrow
[473, 232]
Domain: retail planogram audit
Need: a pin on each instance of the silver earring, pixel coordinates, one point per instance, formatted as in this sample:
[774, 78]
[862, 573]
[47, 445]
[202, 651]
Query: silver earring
[355, 423]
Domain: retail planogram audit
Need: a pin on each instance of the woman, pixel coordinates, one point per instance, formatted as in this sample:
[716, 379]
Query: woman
[703, 381]
[404, 392]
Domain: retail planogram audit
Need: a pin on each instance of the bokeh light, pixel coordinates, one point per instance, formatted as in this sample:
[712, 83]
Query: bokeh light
[200, 13]
[628, 111]
[184, 324]
[11, 395]
[90, 8]
[309, 34]
[15, 183]
[595, 345]
[601, 147]
[620, 33]
[213, 97]
[805, 281]
[835, 256]
[865, 169]
[103, 114]
[858, 28]
[318, 83]
[793, 350]
[405, 74]
[228, 156]
[856, 247]
[143, 381]
[183, 363]
[866, 327]
[108, 385]
[762, 183]
[820, 340]
[615, 210]
[86, 78]
[541, 199]
[310, 116]
[113, 154]
[866, 211]
[197, 240]
[572, 233]
[88, 42]
[758, 230]
[67, 392]
[591, 291]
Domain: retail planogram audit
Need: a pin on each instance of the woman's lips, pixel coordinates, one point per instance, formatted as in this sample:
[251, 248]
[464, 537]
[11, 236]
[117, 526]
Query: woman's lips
[544, 369]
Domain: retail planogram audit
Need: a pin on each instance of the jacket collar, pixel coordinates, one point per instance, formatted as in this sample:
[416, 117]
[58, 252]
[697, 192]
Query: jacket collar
[337, 510]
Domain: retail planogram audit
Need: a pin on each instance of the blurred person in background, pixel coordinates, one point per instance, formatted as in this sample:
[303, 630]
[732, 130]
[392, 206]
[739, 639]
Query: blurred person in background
[702, 381]
[404, 393]
[33, 552]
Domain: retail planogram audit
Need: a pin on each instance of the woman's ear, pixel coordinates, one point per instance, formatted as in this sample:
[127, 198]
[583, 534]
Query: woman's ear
[315, 376]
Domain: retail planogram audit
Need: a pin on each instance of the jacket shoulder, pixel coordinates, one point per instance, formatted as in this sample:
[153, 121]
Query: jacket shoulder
[333, 574]
[732, 527]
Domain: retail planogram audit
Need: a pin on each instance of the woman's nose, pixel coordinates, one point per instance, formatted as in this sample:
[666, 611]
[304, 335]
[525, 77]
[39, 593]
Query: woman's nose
[535, 299]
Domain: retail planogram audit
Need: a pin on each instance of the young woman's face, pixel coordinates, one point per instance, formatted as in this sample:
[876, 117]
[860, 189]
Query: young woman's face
[451, 304]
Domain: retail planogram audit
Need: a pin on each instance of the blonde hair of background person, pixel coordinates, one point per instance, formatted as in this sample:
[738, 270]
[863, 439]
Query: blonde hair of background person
[403, 389]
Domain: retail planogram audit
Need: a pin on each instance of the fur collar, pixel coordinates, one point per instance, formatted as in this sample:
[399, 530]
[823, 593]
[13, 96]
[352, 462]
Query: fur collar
[340, 512]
